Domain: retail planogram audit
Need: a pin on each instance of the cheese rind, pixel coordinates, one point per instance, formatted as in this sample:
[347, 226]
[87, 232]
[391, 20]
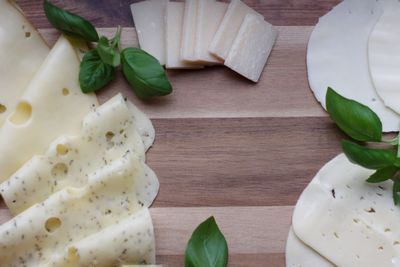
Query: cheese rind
[51, 105]
[149, 18]
[229, 28]
[108, 134]
[23, 51]
[251, 48]
[188, 45]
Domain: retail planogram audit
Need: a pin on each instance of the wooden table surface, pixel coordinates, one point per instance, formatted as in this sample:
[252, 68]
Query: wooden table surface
[224, 146]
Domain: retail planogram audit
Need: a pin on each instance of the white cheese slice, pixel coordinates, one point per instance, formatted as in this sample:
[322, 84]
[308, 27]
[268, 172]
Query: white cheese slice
[51, 105]
[43, 233]
[174, 29]
[251, 48]
[229, 28]
[299, 254]
[347, 220]
[22, 52]
[107, 135]
[209, 16]
[188, 45]
[337, 56]
[149, 18]
[384, 57]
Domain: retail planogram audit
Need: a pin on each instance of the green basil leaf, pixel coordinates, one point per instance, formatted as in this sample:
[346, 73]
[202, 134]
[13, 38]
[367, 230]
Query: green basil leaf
[396, 192]
[144, 73]
[207, 247]
[369, 158]
[69, 23]
[94, 73]
[108, 54]
[356, 120]
[382, 175]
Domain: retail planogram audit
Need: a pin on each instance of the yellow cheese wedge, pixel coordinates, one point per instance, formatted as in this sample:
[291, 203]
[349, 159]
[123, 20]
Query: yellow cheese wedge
[22, 51]
[72, 221]
[51, 105]
[108, 134]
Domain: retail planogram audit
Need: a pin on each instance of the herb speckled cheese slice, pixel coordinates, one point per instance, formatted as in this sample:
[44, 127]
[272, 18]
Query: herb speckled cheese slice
[347, 220]
[72, 221]
[51, 105]
[22, 51]
[108, 134]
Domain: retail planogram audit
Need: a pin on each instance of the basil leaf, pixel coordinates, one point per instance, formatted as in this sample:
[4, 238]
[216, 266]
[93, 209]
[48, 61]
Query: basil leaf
[69, 23]
[108, 54]
[94, 73]
[207, 247]
[369, 158]
[356, 120]
[382, 175]
[144, 73]
[396, 191]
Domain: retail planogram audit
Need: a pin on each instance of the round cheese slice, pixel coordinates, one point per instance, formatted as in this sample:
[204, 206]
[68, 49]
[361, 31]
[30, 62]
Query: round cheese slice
[337, 56]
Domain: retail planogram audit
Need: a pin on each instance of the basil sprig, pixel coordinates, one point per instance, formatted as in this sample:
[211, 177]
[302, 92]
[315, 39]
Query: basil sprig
[362, 124]
[207, 247]
[143, 72]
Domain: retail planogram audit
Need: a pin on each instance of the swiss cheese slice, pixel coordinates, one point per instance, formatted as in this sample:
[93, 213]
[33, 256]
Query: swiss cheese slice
[251, 48]
[384, 56]
[347, 220]
[22, 52]
[149, 18]
[108, 134]
[71, 221]
[229, 28]
[337, 56]
[188, 45]
[299, 254]
[51, 105]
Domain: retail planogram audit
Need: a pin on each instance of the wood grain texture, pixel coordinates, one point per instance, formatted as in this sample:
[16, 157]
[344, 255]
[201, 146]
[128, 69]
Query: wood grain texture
[106, 13]
[224, 146]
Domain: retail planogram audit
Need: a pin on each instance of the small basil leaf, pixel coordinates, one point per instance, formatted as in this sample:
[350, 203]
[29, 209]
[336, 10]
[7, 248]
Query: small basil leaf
[356, 120]
[69, 23]
[94, 73]
[144, 73]
[396, 191]
[207, 247]
[369, 158]
[382, 175]
[108, 54]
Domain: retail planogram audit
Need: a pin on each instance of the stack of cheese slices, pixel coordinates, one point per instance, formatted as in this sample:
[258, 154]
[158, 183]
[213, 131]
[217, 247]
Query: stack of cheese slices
[73, 173]
[341, 220]
[198, 33]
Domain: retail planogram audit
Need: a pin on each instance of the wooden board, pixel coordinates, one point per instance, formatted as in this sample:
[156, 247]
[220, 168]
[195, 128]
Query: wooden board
[225, 146]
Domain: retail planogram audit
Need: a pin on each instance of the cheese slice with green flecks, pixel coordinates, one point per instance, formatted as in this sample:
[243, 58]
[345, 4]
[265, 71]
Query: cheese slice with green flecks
[108, 133]
[51, 105]
[81, 225]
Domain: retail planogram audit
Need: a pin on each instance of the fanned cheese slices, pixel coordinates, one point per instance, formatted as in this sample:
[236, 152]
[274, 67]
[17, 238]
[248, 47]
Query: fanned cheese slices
[108, 134]
[66, 225]
[51, 105]
[22, 51]
[347, 220]
[337, 56]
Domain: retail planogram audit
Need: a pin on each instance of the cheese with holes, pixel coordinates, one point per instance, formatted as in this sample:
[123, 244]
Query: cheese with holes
[108, 134]
[149, 18]
[51, 105]
[71, 222]
[384, 56]
[251, 48]
[347, 220]
[209, 16]
[349, 25]
[174, 28]
[298, 254]
[188, 46]
[22, 52]
[229, 28]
